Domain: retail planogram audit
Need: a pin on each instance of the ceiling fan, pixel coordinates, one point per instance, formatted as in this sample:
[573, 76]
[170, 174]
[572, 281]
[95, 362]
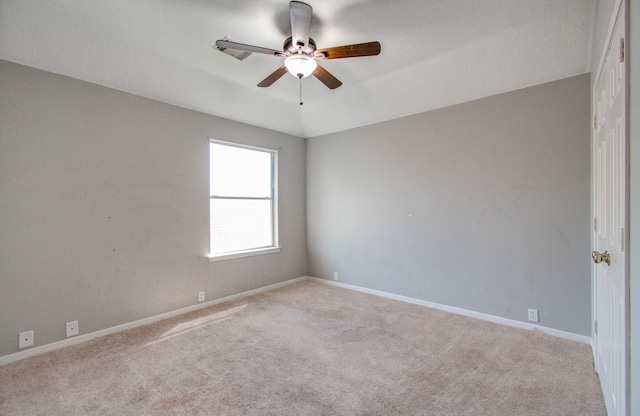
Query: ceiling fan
[299, 51]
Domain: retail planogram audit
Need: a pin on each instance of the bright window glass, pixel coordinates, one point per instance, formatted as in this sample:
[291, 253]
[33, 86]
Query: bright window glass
[242, 198]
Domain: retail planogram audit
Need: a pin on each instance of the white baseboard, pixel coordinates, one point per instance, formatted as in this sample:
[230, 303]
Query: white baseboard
[485, 317]
[459, 311]
[87, 337]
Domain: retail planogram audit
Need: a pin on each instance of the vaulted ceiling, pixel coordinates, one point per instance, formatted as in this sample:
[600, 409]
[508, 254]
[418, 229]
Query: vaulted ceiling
[435, 53]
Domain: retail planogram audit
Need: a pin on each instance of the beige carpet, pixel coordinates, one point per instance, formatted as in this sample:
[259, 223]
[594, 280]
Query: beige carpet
[309, 349]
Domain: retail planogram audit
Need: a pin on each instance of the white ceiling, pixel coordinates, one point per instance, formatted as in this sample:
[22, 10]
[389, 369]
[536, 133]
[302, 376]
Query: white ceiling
[435, 53]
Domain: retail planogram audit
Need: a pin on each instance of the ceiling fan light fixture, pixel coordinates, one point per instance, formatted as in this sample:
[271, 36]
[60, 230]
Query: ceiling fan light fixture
[300, 65]
[300, 52]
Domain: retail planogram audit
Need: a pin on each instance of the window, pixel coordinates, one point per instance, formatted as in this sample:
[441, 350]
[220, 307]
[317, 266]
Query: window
[242, 189]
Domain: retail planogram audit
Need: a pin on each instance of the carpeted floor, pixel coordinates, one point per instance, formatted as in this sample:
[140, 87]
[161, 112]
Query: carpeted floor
[309, 349]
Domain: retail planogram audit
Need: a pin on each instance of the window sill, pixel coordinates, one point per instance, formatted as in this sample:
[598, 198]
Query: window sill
[247, 253]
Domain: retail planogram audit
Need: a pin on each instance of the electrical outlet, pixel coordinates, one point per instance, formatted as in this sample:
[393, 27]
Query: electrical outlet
[72, 328]
[201, 296]
[26, 339]
[533, 315]
[335, 275]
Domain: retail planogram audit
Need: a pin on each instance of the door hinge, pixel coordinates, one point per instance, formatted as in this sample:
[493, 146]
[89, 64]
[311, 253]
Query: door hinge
[622, 240]
[621, 50]
[595, 224]
[595, 327]
[595, 121]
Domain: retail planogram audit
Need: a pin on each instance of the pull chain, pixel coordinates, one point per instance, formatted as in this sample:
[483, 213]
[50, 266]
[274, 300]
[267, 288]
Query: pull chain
[301, 93]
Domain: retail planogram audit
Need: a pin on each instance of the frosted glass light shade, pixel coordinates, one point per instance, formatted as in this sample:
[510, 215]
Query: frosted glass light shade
[300, 65]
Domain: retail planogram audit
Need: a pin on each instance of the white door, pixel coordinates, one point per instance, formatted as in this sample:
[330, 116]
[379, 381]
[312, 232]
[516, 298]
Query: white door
[609, 222]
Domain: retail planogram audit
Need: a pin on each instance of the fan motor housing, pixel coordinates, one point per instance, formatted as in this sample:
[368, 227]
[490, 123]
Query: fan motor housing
[289, 48]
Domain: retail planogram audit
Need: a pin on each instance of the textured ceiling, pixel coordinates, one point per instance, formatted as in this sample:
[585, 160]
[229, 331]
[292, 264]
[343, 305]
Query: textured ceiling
[435, 53]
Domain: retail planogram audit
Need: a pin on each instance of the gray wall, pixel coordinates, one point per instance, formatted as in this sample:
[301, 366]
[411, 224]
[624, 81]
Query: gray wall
[104, 207]
[482, 206]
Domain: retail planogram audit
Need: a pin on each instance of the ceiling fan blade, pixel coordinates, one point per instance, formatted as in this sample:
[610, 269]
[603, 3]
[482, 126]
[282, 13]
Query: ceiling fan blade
[300, 14]
[275, 75]
[326, 78]
[223, 44]
[350, 51]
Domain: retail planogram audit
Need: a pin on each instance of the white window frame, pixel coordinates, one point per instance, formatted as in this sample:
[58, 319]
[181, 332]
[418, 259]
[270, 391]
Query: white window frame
[274, 247]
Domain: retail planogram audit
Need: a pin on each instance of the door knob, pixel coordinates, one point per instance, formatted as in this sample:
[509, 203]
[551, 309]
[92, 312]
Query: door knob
[601, 257]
